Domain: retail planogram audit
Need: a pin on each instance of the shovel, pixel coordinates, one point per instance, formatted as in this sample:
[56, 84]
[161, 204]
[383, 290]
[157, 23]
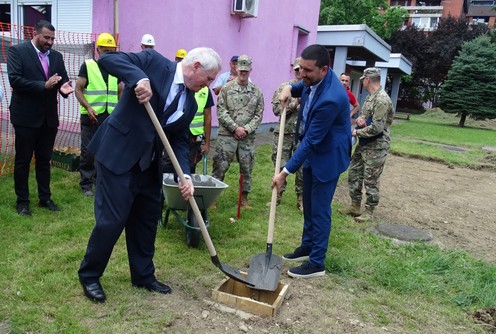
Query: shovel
[240, 194]
[230, 272]
[265, 269]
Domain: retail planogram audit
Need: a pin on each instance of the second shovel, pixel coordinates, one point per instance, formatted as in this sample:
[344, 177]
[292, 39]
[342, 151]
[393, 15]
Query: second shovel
[265, 269]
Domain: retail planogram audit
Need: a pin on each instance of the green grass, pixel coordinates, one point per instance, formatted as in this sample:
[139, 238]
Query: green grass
[392, 285]
[425, 136]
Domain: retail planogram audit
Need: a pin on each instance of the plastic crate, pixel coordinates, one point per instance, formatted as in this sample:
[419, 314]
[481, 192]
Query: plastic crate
[64, 160]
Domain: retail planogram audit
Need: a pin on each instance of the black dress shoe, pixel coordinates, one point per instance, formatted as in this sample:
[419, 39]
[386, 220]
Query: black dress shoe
[23, 210]
[94, 292]
[49, 205]
[156, 287]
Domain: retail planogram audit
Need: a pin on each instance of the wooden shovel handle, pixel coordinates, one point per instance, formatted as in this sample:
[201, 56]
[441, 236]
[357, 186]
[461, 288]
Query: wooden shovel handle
[277, 170]
[180, 173]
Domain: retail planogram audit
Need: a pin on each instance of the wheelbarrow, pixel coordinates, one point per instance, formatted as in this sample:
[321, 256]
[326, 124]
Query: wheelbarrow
[207, 189]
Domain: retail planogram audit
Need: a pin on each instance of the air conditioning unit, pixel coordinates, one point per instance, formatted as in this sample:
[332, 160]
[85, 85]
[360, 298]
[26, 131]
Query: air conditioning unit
[245, 8]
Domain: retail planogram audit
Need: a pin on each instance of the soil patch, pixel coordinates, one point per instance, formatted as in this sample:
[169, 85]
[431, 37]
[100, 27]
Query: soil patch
[455, 204]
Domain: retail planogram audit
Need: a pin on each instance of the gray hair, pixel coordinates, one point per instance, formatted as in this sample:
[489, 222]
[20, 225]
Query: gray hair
[207, 57]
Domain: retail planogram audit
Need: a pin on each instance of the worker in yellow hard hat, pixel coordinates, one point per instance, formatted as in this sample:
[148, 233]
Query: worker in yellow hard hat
[97, 92]
[106, 40]
[180, 54]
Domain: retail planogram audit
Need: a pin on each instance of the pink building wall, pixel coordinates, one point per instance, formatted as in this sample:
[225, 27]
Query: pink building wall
[273, 39]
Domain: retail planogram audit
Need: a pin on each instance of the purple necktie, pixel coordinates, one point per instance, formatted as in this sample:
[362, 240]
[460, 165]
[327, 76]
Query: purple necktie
[44, 63]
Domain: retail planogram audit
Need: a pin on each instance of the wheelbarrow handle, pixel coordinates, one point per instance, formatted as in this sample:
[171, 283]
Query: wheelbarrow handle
[204, 163]
[180, 173]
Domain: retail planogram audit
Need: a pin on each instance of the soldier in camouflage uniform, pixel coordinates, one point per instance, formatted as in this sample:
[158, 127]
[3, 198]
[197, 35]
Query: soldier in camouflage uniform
[372, 131]
[289, 143]
[239, 110]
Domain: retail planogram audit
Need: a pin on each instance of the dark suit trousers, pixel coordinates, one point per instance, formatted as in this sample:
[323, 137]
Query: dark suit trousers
[40, 141]
[317, 198]
[86, 161]
[132, 202]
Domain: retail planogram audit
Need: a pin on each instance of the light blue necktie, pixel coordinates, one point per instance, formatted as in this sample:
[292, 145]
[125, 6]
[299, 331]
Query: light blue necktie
[306, 108]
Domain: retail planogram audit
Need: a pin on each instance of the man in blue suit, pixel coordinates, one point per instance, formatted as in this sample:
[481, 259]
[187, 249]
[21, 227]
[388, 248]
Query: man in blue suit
[324, 152]
[127, 150]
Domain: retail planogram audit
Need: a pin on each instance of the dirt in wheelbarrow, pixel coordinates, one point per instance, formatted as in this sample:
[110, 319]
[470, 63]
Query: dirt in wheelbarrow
[455, 204]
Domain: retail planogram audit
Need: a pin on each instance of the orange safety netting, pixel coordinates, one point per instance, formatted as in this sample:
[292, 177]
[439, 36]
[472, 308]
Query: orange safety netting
[75, 48]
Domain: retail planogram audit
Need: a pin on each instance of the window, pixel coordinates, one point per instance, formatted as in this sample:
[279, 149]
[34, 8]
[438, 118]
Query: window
[5, 14]
[484, 2]
[400, 3]
[26, 12]
[426, 23]
[32, 14]
[300, 41]
[480, 20]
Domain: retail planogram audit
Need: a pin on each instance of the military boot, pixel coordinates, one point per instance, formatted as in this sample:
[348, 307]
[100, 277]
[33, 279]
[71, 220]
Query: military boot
[244, 200]
[366, 216]
[299, 201]
[353, 210]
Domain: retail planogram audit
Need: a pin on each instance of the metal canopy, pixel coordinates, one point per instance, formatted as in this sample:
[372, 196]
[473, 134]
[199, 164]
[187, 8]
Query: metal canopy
[361, 42]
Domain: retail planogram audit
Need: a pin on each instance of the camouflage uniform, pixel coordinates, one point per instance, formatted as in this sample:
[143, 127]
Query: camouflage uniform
[289, 145]
[237, 105]
[367, 162]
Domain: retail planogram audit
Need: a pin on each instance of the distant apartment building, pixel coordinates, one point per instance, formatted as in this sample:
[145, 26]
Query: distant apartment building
[426, 14]
[482, 11]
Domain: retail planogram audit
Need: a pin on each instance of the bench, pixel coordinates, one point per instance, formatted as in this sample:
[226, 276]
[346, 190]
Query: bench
[402, 115]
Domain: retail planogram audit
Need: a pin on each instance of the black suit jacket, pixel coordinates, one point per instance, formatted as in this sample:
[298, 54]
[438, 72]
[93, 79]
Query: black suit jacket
[31, 103]
[123, 138]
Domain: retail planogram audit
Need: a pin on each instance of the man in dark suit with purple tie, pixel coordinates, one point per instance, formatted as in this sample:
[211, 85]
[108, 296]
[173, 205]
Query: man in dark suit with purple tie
[36, 74]
[324, 152]
[127, 151]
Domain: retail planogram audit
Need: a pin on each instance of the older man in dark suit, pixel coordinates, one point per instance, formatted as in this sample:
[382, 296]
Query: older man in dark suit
[127, 150]
[324, 152]
[36, 74]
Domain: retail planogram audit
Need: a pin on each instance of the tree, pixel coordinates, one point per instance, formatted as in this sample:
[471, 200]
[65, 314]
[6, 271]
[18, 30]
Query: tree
[377, 14]
[432, 55]
[469, 89]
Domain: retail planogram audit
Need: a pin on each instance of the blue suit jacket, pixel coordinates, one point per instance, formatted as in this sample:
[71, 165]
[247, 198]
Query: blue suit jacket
[123, 138]
[326, 141]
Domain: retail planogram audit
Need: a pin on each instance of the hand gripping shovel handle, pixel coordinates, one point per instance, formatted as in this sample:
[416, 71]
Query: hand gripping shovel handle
[215, 260]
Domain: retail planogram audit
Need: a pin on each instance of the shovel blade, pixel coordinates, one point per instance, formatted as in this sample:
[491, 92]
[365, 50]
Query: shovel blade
[230, 272]
[265, 271]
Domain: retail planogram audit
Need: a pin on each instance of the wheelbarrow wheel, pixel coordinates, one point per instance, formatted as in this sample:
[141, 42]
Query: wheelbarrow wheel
[193, 235]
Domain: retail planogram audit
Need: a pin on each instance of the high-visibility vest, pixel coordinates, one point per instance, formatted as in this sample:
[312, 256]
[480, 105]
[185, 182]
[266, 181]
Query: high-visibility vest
[98, 94]
[197, 124]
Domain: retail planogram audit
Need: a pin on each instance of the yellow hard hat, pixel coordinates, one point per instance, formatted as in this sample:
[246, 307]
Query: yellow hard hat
[181, 53]
[106, 39]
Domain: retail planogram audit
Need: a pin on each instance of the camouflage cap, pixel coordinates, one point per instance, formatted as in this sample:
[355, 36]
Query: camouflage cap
[244, 63]
[371, 72]
[296, 64]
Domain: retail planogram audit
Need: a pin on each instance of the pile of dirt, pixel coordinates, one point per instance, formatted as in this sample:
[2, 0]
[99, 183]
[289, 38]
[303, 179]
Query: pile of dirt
[486, 317]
